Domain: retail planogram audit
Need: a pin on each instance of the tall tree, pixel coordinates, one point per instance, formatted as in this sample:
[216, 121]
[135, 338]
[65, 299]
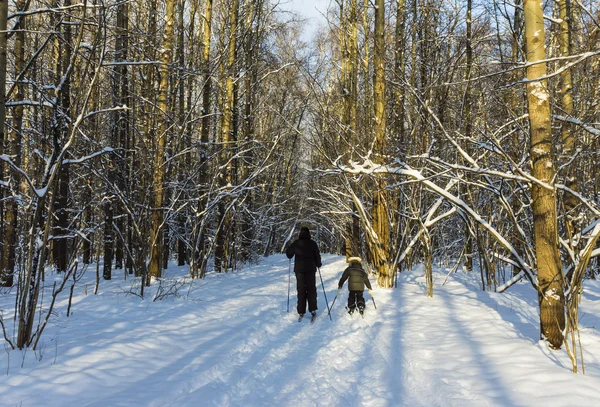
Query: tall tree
[14, 149]
[350, 93]
[160, 159]
[567, 128]
[252, 31]
[380, 247]
[200, 255]
[3, 45]
[549, 266]
[468, 123]
[60, 130]
[225, 213]
[399, 66]
[117, 172]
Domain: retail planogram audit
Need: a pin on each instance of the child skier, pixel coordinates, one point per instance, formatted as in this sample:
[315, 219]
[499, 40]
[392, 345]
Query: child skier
[357, 279]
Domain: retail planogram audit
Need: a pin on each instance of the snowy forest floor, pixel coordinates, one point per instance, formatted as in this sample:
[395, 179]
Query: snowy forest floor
[227, 340]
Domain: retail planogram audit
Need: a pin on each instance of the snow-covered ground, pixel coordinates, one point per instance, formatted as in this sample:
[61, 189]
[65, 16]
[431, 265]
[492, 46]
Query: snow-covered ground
[227, 340]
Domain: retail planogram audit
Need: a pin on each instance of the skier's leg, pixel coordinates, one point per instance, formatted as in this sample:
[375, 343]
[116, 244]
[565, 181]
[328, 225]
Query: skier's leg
[301, 289]
[311, 291]
[351, 302]
[360, 300]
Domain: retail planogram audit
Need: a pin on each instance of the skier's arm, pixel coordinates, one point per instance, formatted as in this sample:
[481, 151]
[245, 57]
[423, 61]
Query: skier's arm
[343, 279]
[367, 282]
[317, 256]
[290, 251]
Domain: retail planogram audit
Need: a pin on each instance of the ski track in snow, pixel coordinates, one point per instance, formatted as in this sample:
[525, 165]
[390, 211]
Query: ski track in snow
[227, 340]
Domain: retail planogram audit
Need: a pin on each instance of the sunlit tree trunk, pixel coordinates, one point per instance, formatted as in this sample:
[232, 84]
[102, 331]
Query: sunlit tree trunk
[380, 195]
[568, 129]
[399, 65]
[368, 93]
[550, 275]
[350, 94]
[156, 228]
[225, 215]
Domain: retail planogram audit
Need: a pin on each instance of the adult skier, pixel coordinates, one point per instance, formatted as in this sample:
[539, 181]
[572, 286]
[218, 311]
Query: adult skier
[307, 259]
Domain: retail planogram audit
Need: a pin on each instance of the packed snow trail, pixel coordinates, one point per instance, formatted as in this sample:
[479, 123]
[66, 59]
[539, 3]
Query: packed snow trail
[227, 340]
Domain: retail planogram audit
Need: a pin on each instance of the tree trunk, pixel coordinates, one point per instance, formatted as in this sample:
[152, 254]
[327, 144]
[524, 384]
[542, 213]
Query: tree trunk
[252, 46]
[156, 228]
[515, 104]
[468, 132]
[108, 241]
[551, 295]
[3, 49]
[199, 255]
[225, 215]
[61, 125]
[368, 93]
[399, 64]
[568, 129]
[380, 198]
[14, 149]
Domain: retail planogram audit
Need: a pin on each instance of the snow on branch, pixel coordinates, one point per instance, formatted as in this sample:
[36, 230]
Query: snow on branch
[111, 109]
[105, 150]
[428, 222]
[52, 10]
[29, 103]
[7, 159]
[585, 126]
[404, 169]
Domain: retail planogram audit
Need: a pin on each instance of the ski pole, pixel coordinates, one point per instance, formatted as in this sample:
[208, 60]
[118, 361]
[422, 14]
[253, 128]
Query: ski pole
[334, 298]
[372, 299]
[289, 282]
[323, 285]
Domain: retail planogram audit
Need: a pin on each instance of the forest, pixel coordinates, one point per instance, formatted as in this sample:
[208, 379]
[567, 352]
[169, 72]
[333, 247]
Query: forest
[207, 132]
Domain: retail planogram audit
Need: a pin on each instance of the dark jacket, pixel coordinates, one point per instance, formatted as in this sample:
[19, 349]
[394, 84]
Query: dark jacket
[356, 276]
[307, 253]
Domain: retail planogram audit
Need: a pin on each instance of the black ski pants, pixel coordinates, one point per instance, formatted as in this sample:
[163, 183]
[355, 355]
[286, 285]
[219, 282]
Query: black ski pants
[356, 298]
[307, 292]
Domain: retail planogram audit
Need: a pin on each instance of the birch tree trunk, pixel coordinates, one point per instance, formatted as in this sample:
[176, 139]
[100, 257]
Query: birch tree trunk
[550, 275]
